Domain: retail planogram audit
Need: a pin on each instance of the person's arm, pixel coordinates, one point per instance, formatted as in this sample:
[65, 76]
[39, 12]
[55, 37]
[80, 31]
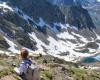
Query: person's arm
[17, 70]
[20, 70]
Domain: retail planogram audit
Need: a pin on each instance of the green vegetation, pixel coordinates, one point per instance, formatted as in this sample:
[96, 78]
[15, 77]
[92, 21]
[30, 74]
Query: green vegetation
[47, 75]
[6, 71]
[2, 62]
[78, 73]
[1, 38]
[55, 70]
[83, 74]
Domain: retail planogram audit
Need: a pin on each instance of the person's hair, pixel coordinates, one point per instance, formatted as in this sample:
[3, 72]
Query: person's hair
[24, 53]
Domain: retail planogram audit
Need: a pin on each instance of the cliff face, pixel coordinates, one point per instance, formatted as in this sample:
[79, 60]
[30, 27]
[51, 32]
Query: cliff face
[69, 12]
[92, 6]
[37, 9]
[78, 16]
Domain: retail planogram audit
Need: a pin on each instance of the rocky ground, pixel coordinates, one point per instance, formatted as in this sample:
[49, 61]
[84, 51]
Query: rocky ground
[51, 69]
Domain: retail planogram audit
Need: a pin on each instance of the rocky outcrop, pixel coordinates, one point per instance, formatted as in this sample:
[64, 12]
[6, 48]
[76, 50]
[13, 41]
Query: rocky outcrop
[3, 43]
[92, 45]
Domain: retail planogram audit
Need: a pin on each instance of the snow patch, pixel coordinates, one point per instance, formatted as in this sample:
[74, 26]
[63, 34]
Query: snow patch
[81, 37]
[12, 46]
[5, 6]
[39, 43]
[65, 35]
[58, 46]
[2, 52]
[98, 37]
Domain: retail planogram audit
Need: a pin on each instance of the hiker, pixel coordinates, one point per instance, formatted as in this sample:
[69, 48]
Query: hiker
[24, 70]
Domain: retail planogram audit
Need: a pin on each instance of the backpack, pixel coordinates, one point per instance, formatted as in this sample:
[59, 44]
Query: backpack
[32, 73]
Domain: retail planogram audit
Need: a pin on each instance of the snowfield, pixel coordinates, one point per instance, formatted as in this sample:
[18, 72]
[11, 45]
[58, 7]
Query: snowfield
[59, 46]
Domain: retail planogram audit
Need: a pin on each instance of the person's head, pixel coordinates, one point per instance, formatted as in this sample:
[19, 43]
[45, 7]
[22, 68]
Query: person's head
[24, 53]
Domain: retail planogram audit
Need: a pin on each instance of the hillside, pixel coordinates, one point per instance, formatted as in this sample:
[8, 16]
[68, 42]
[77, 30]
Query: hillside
[51, 69]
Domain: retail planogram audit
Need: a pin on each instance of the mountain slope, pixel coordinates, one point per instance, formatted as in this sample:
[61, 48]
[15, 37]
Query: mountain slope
[92, 6]
[45, 28]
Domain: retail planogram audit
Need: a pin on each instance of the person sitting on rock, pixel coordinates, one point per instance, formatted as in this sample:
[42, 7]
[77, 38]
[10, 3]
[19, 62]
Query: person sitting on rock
[24, 70]
[21, 70]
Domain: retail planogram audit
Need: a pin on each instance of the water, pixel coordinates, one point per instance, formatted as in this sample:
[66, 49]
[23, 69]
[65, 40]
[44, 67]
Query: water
[89, 60]
[92, 59]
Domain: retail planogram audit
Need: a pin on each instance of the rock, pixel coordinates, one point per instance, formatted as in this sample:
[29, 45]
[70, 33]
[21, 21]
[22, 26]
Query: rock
[2, 68]
[64, 53]
[97, 40]
[42, 67]
[92, 45]
[3, 43]
[9, 77]
[81, 50]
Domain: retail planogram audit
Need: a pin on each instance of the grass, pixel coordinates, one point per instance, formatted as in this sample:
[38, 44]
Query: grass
[3, 63]
[7, 71]
[1, 38]
[47, 75]
[3, 73]
[78, 73]
[7, 68]
[82, 74]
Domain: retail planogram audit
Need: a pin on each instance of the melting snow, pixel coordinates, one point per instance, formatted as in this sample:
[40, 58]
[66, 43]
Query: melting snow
[5, 6]
[1, 52]
[98, 37]
[65, 35]
[81, 37]
[39, 43]
[12, 46]
[57, 47]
